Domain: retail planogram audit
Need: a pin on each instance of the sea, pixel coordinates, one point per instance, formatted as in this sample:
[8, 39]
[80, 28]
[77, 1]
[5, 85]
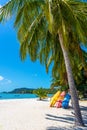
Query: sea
[17, 96]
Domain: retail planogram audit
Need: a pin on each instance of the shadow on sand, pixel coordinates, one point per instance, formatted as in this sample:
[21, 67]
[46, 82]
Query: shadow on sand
[84, 114]
[56, 128]
[68, 119]
[66, 128]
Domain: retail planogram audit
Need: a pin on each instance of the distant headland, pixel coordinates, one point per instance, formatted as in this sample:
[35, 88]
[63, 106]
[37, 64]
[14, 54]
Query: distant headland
[21, 90]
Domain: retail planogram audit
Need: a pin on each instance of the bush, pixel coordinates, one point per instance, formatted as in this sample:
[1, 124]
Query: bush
[41, 93]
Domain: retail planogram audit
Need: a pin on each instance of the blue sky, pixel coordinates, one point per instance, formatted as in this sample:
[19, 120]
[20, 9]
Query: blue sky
[15, 73]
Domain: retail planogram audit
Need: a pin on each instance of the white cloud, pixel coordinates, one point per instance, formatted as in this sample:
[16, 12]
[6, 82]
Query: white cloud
[0, 6]
[4, 81]
[1, 78]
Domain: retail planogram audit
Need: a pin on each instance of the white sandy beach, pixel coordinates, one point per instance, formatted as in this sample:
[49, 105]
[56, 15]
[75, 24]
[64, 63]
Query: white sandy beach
[30, 114]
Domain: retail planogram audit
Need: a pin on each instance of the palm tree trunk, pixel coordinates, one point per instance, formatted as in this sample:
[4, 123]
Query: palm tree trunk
[74, 96]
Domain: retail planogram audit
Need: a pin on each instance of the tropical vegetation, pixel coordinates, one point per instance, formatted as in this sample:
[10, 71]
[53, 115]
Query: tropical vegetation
[52, 31]
[41, 93]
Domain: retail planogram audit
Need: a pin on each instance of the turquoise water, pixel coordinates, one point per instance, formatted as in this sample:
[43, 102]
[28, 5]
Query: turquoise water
[16, 96]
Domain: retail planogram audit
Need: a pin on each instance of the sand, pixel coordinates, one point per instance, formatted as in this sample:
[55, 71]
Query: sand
[32, 114]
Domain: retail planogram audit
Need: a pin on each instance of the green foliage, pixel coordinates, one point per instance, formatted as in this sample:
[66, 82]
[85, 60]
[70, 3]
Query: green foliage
[41, 93]
[22, 90]
[59, 84]
[37, 23]
[52, 90]
[82, 84]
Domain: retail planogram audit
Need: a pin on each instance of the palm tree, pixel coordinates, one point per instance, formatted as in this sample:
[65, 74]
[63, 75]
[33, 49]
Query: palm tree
[78, 62]
[41, 93]
[50, 31]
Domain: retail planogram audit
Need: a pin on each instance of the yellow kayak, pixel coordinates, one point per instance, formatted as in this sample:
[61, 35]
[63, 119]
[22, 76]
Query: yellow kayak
[54, 98]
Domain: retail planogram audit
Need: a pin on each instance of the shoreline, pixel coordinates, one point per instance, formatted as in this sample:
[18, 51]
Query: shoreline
[33, 114]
